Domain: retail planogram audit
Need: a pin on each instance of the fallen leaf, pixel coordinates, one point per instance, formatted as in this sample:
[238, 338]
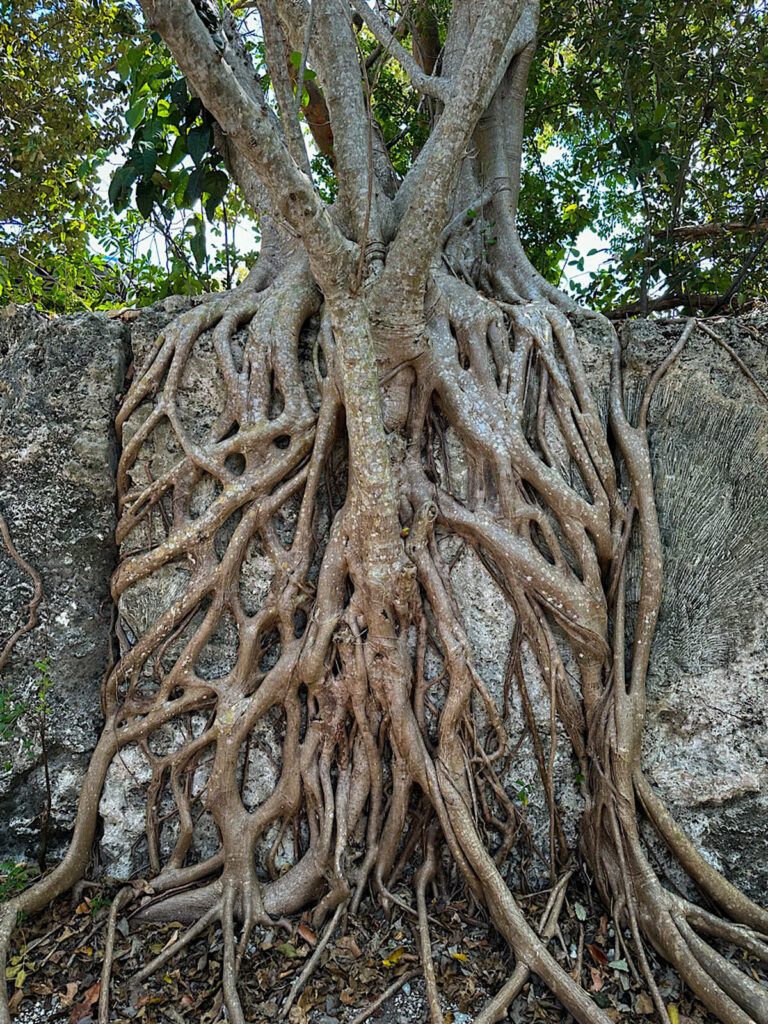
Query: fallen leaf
[307, 934]
[644, 1004]
[460, 956]
[67, 997]
[170, 941]
[83, 1009]
[597, 979]
[597, 954]
[15, 1001]
[288, 949]
[348, 945]
[392, 958]
[674, 1013]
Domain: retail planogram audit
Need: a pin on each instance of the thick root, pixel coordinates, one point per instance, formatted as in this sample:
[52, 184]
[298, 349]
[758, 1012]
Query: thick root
[335, 467]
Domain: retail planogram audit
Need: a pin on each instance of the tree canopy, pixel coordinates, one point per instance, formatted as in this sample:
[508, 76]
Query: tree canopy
[645, 127]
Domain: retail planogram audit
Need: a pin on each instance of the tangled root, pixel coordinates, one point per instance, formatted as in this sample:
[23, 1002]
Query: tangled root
[394, 757]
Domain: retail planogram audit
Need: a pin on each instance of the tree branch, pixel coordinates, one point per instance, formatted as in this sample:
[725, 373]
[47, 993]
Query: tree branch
[340, 77]
[428, 84]
[277, 63]
[691, 301]
[712, 229]
[425, 193]
[247, 122]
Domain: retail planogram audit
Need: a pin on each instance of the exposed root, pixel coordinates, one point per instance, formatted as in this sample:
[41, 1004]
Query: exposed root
[352, 730]
[34, 603]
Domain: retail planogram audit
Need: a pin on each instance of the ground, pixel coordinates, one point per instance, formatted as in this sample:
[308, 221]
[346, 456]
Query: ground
[56, 965]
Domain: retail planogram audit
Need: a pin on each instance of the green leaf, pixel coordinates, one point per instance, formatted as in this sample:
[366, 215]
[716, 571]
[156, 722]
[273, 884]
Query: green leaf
[198, 141]
[178, 151]
[145, 159]
[178, 93]
[145, 197]
[194, 187]
[619, 965]
[135, 114]
[120, 186]
[197, 245]
[215, 184]
[288, 950]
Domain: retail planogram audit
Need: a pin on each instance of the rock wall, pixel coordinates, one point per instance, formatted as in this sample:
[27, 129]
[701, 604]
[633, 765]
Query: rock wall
[59, 383]
[707, 737]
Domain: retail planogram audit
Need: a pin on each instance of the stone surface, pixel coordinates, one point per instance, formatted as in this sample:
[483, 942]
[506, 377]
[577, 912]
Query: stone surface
[706, 746]
[59, 381]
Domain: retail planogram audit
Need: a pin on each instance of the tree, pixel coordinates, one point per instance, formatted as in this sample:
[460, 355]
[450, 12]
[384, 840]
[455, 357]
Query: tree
[655, 110]
[56, 59]
[410, 299]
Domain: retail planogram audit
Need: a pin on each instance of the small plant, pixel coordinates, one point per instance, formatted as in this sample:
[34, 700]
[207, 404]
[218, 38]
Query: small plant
[14, 876]
[19, 967]
[522, 792]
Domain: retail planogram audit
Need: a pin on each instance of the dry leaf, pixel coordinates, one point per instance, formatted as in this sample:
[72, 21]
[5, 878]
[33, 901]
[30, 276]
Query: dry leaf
[644, 1004]
[597, 954]
[346, 944]
[84, 1009]
[68, 996]
[307, 934]
[597, 979]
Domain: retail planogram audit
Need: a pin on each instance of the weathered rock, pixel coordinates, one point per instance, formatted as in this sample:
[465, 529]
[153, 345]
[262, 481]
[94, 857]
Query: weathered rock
[59, 382]
[706, 738]
[706, 742]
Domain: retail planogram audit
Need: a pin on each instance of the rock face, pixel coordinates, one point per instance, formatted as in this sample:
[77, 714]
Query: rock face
[706, 743]
[59, 382]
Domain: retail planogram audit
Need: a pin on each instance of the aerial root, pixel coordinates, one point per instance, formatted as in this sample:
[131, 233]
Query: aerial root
[497, 1008]
[34, 602]
[424, 876]
[409, 753]
[674, 927]
[195, 929]
[392, 990]
[122, 898]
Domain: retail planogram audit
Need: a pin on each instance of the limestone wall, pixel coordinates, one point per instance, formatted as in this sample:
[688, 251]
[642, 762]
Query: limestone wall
[707, 738]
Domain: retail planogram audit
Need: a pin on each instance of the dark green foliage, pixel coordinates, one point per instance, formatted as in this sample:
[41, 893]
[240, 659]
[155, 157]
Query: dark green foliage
[643, 117]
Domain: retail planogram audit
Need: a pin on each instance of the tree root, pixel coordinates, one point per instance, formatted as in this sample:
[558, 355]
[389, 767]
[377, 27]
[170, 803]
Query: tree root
[337, 470]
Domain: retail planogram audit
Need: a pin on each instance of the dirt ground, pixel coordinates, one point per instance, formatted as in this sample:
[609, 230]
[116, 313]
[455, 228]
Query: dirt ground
[55, 967]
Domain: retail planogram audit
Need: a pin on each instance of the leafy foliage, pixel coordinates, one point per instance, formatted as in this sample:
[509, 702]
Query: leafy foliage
[59, 117]
[655, 115]
[643, 118]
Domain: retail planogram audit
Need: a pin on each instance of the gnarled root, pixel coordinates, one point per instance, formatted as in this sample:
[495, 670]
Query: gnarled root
[351, 732]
